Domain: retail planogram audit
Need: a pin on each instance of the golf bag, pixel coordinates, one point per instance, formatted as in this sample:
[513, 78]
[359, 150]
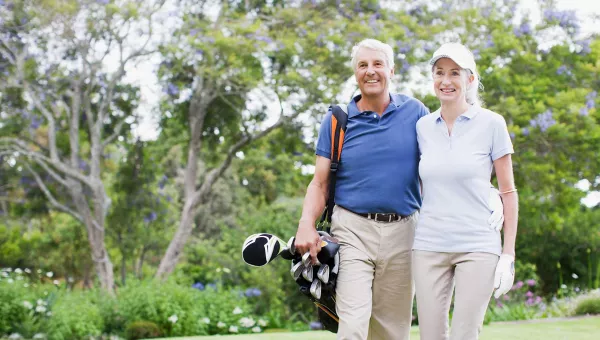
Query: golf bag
[320, 292]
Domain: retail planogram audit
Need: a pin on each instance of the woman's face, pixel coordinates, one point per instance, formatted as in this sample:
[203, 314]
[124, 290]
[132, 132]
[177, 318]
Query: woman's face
[450, 81]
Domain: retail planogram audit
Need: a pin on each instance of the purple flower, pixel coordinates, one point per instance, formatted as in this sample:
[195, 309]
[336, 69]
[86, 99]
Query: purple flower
[506, 297]
[583, 111]
[315, 325]
[585, 46]
[590, 103]
[403, 47]
[212, 286]
[543, 120]
[476, 54]
[251, 292]
[538, 299]
[172, 89]
[198, 285]
[525, 131]
[405, 66]
[530, 283]
[193, 32]
[565, 19]
[529, 302]
[512, 135]
[529, 294]
[499, 304]
[523, 29]
[489, 43]
[103, 2]
[563, 70]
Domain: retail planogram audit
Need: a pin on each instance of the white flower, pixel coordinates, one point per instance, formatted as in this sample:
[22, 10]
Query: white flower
[49, 313]
[173, 318]
[49, 274]
[221, 324]
[262, 323]
[237, 311]
[56, 282]
[18, 271]
[9, 270]
[575, 276]
[28, 271]
[15, 336]
[39, 336]
[256, 329]
[41, 302]
[4, 274]
[563, 286]
[206, 320]
[70, 279]
[26, 285]
[218, 270]
[226, 270]
[19, 278]
[247, 322]
[27, 304]
[233, 329]
[40, 309]
[39, 271]
[10, 280]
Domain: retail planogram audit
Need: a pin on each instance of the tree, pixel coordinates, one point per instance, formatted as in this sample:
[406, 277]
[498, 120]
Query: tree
[80, 107]
[210, 82]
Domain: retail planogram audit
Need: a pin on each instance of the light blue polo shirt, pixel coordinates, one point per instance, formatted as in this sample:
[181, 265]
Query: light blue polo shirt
[379, 164]
[456, 173]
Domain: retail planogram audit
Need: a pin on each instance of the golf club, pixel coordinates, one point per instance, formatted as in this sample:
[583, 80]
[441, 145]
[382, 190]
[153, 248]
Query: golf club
[323, 273]
[260, 249]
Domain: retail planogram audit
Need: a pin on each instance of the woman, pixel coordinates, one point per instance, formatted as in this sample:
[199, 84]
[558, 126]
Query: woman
[454, 248]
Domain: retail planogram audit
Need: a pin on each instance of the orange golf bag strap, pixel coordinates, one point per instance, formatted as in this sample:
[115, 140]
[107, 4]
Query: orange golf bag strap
[339, 119]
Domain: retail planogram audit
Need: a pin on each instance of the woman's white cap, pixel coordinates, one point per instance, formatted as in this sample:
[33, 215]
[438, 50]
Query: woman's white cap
[458, 53]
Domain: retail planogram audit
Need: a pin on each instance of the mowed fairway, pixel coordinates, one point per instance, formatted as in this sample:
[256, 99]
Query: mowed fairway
[587, 328]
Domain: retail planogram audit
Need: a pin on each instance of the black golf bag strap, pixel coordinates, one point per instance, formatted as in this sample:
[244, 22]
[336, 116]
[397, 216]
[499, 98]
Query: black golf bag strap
[339, 119]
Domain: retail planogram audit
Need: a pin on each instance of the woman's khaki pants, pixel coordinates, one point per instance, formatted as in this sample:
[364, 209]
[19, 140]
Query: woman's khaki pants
[374, 287]
[470, 275]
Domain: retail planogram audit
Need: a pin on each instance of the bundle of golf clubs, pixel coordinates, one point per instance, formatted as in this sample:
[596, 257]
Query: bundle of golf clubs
[316, 281]
[325, 272]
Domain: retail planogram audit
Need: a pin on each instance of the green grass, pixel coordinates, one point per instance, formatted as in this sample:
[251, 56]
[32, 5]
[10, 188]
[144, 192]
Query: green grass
[570, 329]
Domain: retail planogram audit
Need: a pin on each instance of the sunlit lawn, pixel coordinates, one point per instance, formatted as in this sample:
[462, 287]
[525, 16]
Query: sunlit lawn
[571, 329]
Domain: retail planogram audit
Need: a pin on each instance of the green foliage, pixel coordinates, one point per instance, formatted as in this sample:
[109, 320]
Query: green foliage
[142, 330]
[588, 304]
[75, 316]
[218, 260]
[12, 310]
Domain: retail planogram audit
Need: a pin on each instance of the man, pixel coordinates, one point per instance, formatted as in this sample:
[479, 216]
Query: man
[377, 200]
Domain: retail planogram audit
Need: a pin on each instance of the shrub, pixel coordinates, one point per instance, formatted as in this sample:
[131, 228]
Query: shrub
[142, 330]
[174, 309]
[13, 311]
[75, 316]
[588, 304]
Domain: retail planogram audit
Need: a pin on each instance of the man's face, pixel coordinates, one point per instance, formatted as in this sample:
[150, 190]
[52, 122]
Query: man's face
[372, 72]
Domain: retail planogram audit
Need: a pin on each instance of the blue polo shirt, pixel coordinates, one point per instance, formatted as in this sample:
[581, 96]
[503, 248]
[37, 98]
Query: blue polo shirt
[380, 159]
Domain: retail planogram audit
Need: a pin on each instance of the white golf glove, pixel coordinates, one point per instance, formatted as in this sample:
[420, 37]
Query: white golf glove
[505, 275]
[496, 220]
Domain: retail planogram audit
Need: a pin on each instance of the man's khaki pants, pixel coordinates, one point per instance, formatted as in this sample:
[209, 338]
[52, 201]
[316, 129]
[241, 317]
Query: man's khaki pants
[435, 276]
[374, 292]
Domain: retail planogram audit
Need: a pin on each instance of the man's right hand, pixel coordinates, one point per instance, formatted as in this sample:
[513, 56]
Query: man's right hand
[308, 240]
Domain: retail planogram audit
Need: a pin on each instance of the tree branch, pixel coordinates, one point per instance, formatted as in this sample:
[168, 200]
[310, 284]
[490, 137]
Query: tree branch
[115, 134]
[21, 147]
[50, 197]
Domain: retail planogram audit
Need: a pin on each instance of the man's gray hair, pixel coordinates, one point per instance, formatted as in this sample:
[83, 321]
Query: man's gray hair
[374, 45]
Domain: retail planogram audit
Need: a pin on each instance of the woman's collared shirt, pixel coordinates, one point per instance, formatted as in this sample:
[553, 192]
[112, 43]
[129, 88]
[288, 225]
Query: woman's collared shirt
[456, 171]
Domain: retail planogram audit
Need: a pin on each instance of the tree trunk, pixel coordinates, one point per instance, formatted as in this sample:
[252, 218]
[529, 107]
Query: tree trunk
[169, 260]
[95, 233]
